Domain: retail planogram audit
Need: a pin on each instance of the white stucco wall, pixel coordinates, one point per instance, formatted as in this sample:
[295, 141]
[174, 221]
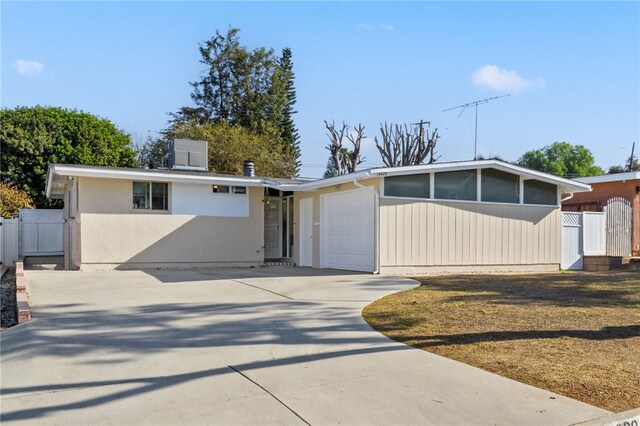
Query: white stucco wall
[200, 200]
[112, 235]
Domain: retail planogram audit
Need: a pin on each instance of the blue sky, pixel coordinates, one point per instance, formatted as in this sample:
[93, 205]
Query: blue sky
[573, 69]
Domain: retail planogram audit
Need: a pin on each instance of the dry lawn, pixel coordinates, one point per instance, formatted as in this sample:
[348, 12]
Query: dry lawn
[576, 334]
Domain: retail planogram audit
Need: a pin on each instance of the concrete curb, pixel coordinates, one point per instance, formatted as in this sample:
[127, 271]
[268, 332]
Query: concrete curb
[22, 300]
[626, 418]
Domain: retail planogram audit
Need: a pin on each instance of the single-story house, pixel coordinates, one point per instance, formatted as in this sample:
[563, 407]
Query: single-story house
[484, 215]
[605, 187]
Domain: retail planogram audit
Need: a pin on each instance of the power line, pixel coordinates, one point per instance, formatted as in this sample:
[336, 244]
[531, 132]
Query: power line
[475, 103]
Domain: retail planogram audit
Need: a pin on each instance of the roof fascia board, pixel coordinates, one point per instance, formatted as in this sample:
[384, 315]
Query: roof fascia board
[618, 177]
[565, 184]
[322, 183]
[150, 176]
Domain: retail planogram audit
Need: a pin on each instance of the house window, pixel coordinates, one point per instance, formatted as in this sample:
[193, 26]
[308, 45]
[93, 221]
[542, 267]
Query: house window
[413, 186]
[224, 189]
[536, 192]
[220, 189]
[150, 196]
[458, 185]
[500, 187]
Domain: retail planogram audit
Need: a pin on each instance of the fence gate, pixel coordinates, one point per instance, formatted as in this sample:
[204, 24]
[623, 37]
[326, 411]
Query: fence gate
[41, 232]
[583, 234]
[8, 241]
[572, 241]
[618, 227]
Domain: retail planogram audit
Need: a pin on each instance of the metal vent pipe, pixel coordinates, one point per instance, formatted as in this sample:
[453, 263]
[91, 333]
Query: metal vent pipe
[248, 168]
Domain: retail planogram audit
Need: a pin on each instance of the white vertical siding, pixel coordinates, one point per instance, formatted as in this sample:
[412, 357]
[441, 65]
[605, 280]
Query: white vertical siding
[434, 233]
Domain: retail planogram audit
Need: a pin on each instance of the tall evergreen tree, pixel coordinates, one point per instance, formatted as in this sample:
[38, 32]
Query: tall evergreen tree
[290, 136]
[252, 89]
[331, 170]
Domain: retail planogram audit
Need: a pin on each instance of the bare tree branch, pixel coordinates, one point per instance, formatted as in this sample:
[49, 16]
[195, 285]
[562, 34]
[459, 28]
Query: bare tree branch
[344, 161]
[354, 156]
[402, 146]
[335, 146]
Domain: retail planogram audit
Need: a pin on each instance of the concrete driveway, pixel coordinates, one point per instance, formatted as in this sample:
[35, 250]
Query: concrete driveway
[240, 346]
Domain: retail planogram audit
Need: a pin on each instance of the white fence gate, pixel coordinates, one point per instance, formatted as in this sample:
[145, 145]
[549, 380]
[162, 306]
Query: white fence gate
[583, 233]
[618, 227]
[8, 241]
[41, 232]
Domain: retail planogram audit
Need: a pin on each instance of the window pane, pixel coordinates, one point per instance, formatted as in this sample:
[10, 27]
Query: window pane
[239, 189]
[159, 196]
[500, 187]
[415, 186]
[221, 189]
[140, 195]
[456, 185]
[536, 192]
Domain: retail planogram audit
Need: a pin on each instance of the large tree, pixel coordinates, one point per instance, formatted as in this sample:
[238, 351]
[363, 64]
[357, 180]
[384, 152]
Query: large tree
[561, 159]
[288, 130]
[153, 153]
[344, 160]
[33, 137]
[253, 89]
[230, 145]
[407, 146]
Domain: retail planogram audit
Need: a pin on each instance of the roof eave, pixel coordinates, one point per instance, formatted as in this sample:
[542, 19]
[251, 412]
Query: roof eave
[150, 176]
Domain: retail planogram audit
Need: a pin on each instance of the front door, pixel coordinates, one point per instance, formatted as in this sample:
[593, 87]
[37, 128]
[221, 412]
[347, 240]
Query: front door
[272, 232]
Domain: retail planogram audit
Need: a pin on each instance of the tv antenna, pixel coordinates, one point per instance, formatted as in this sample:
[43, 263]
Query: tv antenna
[475, 103]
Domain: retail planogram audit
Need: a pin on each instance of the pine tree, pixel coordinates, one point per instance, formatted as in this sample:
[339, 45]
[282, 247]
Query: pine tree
[331, 170]
[289, 133]
[252, 89]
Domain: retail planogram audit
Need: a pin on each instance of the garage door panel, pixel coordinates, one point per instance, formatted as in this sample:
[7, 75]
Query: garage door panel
[347, 231]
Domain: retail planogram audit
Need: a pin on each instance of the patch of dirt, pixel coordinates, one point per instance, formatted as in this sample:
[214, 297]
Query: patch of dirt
[8, 306]
[630, 267]
[576, 334]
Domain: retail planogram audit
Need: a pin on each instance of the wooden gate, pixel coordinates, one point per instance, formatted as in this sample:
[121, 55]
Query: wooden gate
[618, 212]
[41, 232]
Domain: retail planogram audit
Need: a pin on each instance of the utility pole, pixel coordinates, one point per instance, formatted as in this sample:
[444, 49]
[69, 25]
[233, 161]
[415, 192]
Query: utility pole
[475, 103]
[630, 163]
[420, 125]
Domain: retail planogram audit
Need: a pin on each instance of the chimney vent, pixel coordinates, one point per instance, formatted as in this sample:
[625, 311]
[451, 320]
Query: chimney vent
[248, 169]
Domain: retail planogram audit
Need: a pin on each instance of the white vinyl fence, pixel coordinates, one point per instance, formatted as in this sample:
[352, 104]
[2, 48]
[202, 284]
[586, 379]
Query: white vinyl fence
[35, 233]
[41, 232]
[583, 233]
[9, 241]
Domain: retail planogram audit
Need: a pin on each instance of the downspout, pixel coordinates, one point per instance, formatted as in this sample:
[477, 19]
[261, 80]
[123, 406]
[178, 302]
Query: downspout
[376, 207]
[566, 199]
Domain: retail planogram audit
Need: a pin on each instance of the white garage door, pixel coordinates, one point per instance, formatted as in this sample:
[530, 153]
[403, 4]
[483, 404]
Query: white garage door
[347, 230]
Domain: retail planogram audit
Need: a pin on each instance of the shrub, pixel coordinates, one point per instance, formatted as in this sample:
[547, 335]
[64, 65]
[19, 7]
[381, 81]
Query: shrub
[12, 200]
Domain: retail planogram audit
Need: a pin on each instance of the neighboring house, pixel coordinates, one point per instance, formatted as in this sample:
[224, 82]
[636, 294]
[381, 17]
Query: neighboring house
[605, 187]
[484, 215]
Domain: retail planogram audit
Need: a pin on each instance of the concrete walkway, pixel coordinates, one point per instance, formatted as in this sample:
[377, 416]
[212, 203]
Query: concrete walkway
[252, 346]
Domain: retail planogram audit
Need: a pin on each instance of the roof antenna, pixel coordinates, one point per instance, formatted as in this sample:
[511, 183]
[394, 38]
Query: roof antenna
[475, 103]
